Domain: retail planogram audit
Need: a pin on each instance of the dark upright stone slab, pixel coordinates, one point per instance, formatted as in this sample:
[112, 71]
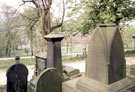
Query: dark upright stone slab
[50, 80]
[17, 78]
[54, 58]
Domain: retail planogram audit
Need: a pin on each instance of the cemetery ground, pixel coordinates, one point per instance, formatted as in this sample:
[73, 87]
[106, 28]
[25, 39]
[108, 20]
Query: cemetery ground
[76, 62]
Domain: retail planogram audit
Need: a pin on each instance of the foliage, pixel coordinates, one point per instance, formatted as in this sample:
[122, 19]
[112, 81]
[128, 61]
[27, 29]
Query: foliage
[43, 12]
[127, 34]
[30, 26]
[87, 14]
[9, 32]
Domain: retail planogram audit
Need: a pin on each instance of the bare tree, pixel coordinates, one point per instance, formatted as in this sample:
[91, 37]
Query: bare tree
[10, 29]
[43, 8]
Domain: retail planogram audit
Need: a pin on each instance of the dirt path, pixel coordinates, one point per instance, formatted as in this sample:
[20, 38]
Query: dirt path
[79, 65]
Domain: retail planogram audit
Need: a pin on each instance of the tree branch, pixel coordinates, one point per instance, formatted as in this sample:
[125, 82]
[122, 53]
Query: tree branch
[26, 1]
[59, 25]
[43, 4]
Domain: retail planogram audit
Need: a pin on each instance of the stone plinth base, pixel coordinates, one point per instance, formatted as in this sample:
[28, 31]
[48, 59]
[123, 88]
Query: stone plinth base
[70, 86]
[85, 85]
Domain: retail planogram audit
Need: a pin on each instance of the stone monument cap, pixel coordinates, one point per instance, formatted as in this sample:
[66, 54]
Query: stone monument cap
[54, 37]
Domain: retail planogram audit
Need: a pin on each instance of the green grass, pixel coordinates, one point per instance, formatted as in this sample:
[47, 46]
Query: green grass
[74, 59]
[73, 50]
[20, 53]
[3, 88]
[129, 52]
[5, 64]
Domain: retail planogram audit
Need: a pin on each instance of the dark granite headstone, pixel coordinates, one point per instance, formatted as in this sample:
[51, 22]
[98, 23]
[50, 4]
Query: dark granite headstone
[50, 80]
[17, 78]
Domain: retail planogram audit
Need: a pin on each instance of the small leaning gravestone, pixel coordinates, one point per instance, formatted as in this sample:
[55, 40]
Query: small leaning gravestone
[17, 78]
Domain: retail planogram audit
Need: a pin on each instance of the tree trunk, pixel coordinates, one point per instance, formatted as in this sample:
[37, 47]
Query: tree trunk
[45, 29]
[6, 51]
[67, 46]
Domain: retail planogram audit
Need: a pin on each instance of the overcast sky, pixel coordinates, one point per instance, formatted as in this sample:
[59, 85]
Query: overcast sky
[15, 3]
[10, 2]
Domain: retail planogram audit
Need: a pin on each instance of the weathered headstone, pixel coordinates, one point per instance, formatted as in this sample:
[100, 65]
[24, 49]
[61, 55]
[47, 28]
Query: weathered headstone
[17, 59]
[105, 64]
[40, 66]
[17, 78]
[41, 60]
[54, 58]
[50, 80]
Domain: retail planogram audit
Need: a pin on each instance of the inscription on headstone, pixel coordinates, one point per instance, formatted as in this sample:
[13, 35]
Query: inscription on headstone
[17, 78]
[50, 80]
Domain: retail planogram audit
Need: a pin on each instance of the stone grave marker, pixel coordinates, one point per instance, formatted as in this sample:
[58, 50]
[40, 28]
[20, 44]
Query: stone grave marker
[17, 59]
[50, 80]
[39, 68]
[54, 58]
[17, 78]
[105, 65]
[41, 61]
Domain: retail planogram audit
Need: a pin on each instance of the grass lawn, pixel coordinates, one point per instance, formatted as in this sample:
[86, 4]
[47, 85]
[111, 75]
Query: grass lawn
[3, 88]
[5, 64]
[74, 59]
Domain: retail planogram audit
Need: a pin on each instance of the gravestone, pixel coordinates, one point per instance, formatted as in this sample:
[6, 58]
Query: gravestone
[40, 66]
[41, 60]
[105, 65]
[50, 80]
[17, 78]
[17, 59]
[54, 58]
